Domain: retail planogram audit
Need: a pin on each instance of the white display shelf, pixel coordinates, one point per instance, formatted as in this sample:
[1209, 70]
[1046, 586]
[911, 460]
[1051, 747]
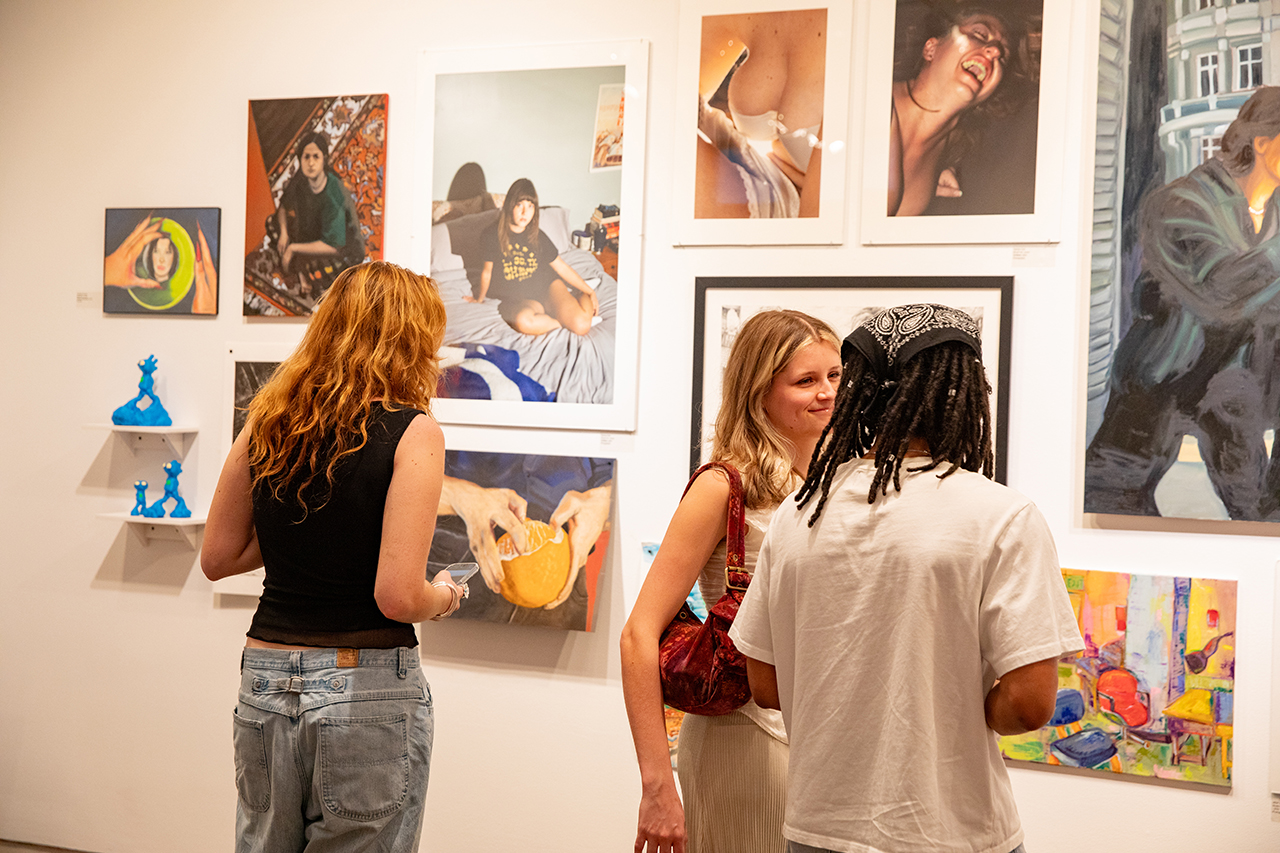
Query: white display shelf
[178, 439]
[146, 529]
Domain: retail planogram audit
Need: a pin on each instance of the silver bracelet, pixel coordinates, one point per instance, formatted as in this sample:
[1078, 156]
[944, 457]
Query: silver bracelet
[455, 600]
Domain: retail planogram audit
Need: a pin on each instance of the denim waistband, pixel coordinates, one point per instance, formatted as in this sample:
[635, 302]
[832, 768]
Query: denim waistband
[296, 661]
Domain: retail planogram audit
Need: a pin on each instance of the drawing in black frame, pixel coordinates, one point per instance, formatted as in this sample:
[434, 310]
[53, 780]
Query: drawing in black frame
[722, 304]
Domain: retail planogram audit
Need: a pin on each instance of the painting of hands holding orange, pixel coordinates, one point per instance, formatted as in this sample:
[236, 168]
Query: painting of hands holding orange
[161, 261]
[538, 527]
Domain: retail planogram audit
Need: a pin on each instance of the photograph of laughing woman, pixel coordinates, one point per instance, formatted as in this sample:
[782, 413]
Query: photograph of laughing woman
[965, 75]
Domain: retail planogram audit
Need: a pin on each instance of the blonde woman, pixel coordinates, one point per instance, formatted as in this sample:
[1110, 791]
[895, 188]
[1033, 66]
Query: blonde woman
[333, 486]
[779, 385]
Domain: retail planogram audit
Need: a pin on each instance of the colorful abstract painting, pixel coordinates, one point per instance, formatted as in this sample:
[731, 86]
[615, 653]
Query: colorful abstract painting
[1151, 695]
[314, 197]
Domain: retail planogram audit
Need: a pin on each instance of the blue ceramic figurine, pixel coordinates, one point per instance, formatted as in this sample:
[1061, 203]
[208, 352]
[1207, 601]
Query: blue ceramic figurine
[140, 505]
[156, 510]
[153, 415]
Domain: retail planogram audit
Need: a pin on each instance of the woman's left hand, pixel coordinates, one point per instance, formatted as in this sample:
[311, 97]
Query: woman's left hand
[444, 580]
[585, 514]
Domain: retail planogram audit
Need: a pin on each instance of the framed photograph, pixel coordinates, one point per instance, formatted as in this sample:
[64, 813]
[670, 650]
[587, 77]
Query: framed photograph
[533, 229]
[1152, 695]
[161, 260]
[964, 134]
[1182, 388]
[723, 304]
[762, 122]
[314, 197]
[248, 367]
[564, 506]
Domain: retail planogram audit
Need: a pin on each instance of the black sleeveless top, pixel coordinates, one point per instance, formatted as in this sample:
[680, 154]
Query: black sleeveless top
[321, 567]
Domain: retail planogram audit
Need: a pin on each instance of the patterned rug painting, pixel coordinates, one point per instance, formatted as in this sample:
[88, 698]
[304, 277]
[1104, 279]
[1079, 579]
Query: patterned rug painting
[356, 126]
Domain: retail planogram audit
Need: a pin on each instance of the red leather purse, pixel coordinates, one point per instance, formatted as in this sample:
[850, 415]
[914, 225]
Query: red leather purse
[701, 670]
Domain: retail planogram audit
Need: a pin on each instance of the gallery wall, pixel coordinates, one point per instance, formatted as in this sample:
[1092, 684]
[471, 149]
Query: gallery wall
[119, 662]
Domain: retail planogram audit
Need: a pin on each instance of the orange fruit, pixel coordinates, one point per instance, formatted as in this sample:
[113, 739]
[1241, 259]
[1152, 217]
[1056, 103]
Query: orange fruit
[536, 578]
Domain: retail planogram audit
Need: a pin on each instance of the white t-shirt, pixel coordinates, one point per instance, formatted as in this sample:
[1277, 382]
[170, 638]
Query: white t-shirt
[888, 623]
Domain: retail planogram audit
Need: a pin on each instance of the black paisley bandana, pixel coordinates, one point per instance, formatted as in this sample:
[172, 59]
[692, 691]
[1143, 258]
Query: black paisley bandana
[889, 339]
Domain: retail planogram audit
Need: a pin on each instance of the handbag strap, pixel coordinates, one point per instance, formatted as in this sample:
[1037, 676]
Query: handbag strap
[736, 532]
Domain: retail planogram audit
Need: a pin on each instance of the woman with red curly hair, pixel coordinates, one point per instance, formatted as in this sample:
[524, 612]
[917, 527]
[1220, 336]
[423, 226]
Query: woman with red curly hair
[333, 486]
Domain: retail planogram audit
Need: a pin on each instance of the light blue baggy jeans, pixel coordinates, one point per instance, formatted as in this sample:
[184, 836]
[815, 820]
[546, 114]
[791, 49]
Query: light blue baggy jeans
[331, 758]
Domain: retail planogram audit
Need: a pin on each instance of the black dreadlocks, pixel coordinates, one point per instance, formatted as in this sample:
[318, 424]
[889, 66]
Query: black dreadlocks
[941, 397]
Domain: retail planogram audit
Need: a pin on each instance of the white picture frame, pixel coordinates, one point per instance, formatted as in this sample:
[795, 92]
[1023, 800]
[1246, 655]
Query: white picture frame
[1043, 225]
[828, 227]
[618, 413]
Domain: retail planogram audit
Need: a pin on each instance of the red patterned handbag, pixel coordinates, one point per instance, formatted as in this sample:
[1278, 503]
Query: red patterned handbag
[701, 671]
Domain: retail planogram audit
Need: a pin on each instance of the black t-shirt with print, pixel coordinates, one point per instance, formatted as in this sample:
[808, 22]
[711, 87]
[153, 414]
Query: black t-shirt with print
[520, 273]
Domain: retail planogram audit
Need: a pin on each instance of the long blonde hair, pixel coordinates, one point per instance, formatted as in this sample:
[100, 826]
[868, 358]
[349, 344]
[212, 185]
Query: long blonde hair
[373, 337]
[744, 435]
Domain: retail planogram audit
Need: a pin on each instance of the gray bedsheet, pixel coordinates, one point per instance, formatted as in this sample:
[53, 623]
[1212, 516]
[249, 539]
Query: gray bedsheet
[577, 369]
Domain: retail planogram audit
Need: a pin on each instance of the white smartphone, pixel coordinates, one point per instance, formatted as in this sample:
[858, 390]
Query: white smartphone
[460, 572]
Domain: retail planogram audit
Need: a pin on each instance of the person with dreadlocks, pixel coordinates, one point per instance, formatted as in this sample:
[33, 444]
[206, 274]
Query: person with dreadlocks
[905, 608]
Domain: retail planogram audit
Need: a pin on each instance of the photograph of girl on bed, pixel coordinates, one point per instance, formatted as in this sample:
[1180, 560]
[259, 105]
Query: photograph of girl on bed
[760, 91]
[538, 291]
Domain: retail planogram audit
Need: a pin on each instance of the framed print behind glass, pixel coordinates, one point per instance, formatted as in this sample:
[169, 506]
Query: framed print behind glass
[722, 305]
[557, 131]
[965, 123]
[760, 149]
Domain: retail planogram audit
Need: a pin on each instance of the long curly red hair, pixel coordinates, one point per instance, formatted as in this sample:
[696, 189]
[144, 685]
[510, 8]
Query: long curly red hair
[372, 341]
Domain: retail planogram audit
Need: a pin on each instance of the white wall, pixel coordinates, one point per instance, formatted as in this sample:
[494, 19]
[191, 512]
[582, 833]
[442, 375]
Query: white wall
[119, 667]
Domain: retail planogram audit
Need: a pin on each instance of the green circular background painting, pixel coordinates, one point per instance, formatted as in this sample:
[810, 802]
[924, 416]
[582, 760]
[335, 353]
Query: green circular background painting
[170, 294]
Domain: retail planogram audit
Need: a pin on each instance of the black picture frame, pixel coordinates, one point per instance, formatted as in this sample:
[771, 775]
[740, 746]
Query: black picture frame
[835, 300]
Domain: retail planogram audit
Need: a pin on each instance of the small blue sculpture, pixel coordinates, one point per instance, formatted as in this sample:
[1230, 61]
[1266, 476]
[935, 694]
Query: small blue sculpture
[153, 415]
[140, 506]
[156, 510]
